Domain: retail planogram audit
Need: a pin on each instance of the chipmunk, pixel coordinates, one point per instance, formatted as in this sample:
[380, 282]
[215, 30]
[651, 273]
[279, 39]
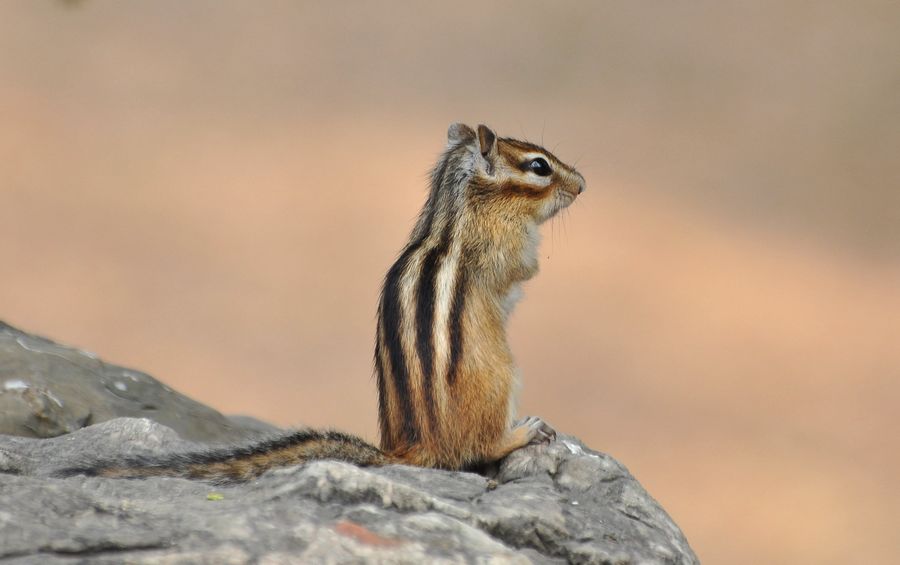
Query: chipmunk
[445, 373]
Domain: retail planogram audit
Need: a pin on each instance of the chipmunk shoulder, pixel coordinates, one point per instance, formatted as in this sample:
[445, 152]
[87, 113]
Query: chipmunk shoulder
[445, 373]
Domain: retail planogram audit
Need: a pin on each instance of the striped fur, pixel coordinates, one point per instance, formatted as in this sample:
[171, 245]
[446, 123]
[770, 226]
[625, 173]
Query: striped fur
[445, 373]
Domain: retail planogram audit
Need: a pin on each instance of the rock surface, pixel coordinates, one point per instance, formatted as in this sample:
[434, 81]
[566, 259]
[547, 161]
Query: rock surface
[551, 503]
[546, 504]
[47, 389]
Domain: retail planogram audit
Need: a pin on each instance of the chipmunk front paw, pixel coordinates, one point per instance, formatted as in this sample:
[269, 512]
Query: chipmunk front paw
[536, 430]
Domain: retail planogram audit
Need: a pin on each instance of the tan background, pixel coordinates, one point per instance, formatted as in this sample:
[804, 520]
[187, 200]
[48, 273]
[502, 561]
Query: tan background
[212, 191]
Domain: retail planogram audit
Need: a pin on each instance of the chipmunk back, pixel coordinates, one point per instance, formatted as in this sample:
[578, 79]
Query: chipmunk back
[446, 378]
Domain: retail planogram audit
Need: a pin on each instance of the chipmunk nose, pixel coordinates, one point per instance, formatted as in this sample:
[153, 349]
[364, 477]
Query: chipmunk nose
[581, 184]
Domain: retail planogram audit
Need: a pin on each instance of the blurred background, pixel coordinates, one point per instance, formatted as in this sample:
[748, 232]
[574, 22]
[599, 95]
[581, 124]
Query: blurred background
[211, 191]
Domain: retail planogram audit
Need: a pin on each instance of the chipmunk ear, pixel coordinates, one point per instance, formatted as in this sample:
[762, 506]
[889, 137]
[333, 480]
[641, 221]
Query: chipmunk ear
[487, 142]
[459, 133]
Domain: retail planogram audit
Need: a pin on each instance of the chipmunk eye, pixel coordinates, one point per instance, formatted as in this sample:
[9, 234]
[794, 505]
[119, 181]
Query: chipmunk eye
[540, 167]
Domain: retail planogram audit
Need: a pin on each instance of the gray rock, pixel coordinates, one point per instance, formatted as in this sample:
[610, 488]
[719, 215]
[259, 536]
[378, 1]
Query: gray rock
[47, 389]
[552, 503]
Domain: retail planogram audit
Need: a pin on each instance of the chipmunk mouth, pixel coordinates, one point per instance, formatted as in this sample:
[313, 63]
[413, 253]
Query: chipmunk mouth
[561, 200]
[565, 198]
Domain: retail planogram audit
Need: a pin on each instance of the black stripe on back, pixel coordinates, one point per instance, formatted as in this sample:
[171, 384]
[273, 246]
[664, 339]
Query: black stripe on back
[425, 303]
[383, 424]
[390, 325]
[456, 312]
[426, 296]
[391, 317]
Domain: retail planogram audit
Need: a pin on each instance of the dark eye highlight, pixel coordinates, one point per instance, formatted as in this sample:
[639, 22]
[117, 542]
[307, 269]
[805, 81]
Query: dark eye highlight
[539, 166]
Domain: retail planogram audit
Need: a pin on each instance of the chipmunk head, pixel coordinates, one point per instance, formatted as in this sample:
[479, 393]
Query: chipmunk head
[523, 177]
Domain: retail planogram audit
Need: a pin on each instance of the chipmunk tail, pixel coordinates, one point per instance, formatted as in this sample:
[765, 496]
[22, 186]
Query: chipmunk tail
[238, 464]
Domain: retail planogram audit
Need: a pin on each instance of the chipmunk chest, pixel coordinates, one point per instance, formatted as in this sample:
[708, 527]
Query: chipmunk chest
[510, 299]
[528, 253]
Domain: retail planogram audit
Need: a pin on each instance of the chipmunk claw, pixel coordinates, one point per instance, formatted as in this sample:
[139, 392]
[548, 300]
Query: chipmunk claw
[538, 430]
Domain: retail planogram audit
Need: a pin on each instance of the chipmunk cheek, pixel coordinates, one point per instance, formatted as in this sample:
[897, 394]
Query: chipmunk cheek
[528, 190]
